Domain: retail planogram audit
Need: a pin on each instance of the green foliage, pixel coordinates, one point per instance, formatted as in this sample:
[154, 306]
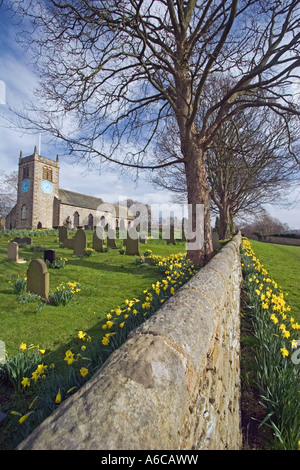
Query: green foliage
[276, 334]
[20, 286]
[64, 293]
[19, 366]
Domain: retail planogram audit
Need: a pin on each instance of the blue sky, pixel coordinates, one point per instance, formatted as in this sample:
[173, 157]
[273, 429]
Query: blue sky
[17, 84]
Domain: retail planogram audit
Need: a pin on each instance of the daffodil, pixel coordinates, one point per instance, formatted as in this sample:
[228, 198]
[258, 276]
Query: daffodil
[83, 371]
[58, 398]
[25, 382]
[69, 357]
[284, 352]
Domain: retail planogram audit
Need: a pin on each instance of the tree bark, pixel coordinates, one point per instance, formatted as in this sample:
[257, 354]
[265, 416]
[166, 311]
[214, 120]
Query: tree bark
[199, 250]
[225, 222]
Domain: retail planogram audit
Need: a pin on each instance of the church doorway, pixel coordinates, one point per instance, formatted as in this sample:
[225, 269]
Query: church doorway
[39, 225]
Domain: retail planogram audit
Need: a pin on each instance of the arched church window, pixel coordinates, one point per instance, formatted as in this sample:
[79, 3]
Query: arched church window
[91, 221]
[76, 219]
[24, 212]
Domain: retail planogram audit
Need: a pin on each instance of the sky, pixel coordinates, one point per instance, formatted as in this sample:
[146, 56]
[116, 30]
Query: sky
[17, 85]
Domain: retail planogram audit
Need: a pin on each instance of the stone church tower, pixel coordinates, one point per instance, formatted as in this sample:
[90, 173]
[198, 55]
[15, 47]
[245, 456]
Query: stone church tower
[42, 204]
[38, 186]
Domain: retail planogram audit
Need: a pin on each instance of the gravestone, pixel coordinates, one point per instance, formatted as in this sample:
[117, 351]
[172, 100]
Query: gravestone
[143, 238]
[132, 243]
[69, 243]
[98, 242]
[62, 233]
[80, 242]
[38, 278]
[23, 241]
[49, 255]
[13, 253]
[111, 238]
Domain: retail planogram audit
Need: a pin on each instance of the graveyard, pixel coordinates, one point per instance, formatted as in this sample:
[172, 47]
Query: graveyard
[106, 279]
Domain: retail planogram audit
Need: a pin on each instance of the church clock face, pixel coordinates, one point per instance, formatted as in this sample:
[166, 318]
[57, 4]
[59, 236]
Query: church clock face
[25, 186]
[46, 187]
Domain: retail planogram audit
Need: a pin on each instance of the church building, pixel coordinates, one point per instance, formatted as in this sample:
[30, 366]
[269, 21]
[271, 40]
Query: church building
[42, 204]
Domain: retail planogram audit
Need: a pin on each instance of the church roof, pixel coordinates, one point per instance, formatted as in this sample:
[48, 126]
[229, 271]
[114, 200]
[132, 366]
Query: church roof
[79, 200]
[90, 202]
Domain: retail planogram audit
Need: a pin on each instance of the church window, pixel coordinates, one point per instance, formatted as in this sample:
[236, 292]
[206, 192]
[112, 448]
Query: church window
[25, 172]
[47, 174]
[24, 212]
[91, 221]
[76, 219]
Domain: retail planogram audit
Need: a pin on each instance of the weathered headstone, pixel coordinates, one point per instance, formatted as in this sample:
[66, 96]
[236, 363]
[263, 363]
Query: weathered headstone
[23, 241]
[13, 252]
[38, 278]
[62, 233]
[69, 243]
[98, 242]
[132, 243]
[143, 238]
[111, 238]
[49, 255]
[80, 242]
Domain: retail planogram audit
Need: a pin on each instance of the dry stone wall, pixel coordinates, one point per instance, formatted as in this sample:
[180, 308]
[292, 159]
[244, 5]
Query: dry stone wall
[174, 384]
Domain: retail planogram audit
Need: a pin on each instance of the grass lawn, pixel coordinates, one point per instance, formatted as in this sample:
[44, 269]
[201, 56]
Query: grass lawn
[283, 265]
[106, 280]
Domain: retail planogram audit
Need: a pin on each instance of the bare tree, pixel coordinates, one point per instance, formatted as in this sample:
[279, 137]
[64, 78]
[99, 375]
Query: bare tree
[248, 165]
[8, 192]
[113, 71]
[264, 224]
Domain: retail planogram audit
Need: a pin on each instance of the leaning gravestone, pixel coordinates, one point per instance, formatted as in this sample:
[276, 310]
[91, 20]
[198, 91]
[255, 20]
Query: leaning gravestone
[80, 242]
[98, 242]
[62, 233]
[13, 253]
[38, 278]
[111, 238]
[132, 243]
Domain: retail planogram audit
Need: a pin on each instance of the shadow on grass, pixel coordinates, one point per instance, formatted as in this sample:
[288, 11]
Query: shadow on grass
[106, 266]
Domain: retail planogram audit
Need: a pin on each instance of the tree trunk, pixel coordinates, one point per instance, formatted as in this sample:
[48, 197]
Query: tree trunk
[200, 248]
[226, 222]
